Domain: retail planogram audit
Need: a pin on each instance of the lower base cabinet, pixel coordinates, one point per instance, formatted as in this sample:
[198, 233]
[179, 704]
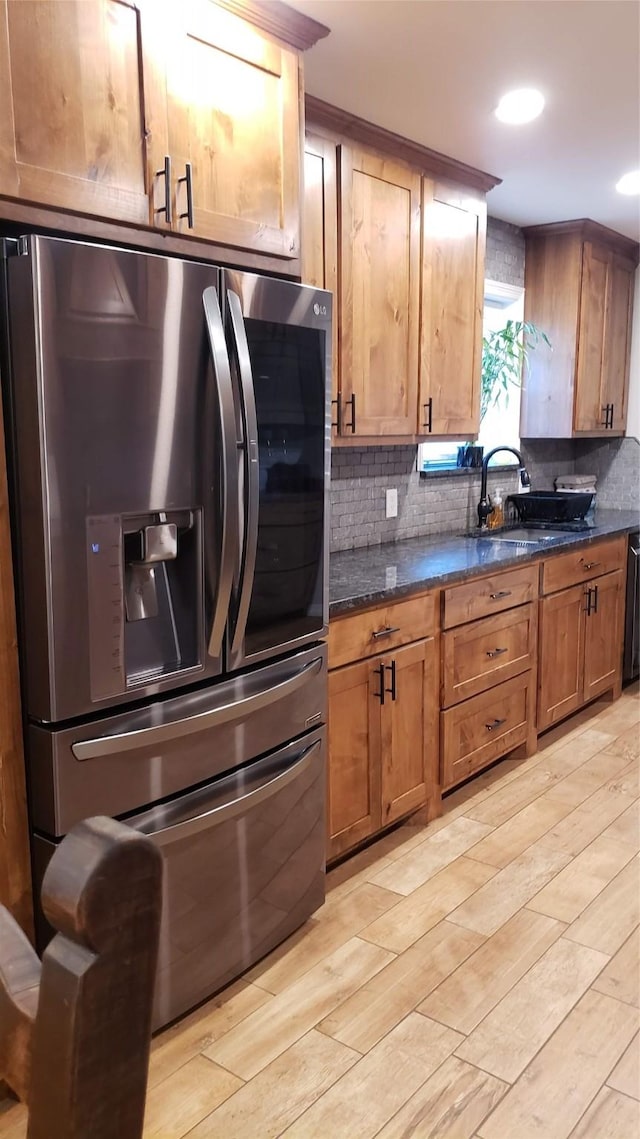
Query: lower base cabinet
[580, 646]
[383, 741]
[480, 730]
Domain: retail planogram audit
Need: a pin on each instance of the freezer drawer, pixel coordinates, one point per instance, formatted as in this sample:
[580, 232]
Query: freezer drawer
[118, 764]
[243, 868]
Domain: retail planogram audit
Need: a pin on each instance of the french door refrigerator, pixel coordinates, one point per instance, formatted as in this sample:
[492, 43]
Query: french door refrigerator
[170, 452]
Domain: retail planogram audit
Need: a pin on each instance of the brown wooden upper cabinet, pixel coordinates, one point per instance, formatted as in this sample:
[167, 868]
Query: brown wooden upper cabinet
[181, 117]
[579, 290]
[454, 223]
[72, 109]
[379, 295]
[232, 130]
[404, 253]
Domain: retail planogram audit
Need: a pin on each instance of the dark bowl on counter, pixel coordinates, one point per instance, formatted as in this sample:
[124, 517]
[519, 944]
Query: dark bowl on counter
[551, 505]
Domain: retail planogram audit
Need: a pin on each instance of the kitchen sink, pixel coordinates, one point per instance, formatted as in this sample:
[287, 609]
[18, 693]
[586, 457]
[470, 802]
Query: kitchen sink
[517, 536]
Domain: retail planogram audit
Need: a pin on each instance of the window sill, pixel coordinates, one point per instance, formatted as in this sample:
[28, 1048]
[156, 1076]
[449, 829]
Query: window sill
[461, 472]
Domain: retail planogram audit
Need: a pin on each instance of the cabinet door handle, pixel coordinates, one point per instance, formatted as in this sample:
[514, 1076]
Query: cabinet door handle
[386, 632]
[612, 406]
[588, 597]
[500, 594]
[496, 652]
[595, 599]
[338, 420]
[188, 181]
[392, 690]
[428, 415]
[495, 724]
[352, 400]
[166, 174]
[590, 565]
[379, 671]
[605, 423]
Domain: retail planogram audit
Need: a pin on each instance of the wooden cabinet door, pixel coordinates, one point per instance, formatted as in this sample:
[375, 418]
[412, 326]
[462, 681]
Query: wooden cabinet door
[379, 297]
[320, 231]
[589, 398]
[561, 655]
[353, 801]
[618, 339]
[409, 729]
[233, 114]
[603, 641]
[452, 297]
[72, 108]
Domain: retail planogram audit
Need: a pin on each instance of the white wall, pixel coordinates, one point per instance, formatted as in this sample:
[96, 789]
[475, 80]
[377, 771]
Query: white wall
[633, 416]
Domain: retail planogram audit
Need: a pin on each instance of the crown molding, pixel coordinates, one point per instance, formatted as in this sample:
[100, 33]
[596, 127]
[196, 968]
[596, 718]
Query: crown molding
[321, 115]
[279, 20]
[589, 231]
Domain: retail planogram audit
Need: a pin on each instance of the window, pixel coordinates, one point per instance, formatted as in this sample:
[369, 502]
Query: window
[501, 423]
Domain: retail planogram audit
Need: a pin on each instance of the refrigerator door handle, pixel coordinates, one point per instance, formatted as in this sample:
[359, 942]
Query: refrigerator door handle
[203, 721]
[225, 811]
[250, 444]
[226, 407]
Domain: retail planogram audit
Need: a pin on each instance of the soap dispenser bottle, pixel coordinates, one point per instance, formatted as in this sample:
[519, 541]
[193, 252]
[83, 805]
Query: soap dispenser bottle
[496, 519]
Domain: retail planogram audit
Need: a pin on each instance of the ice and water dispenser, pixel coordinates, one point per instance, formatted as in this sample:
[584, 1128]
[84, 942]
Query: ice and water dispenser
[145, 598]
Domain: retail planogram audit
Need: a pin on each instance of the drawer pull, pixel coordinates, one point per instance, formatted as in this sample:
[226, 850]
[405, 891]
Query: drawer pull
[496, 652]
[386, 632]
[590, 565]
[502, 593]
[495, 724]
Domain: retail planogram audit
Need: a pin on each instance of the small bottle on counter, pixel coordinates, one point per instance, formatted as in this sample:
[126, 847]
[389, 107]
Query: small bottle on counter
[496, 519]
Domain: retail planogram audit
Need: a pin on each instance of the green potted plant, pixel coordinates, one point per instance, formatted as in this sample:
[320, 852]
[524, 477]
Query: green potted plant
[505, 357]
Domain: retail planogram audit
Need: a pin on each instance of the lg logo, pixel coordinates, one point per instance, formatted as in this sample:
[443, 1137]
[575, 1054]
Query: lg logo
[320, 310]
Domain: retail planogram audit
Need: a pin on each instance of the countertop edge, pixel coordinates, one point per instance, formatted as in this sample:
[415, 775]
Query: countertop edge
[437, 581]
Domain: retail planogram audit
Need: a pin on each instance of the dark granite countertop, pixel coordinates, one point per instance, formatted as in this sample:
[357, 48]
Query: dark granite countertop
[381, 573]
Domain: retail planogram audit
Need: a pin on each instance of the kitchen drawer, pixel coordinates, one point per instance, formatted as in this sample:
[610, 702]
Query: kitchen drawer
[376, 630]
[482, 729]
[480, 655]
[584, 563]
[489, 595]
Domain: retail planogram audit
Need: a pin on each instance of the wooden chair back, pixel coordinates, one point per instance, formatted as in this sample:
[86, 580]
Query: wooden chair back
[75, 1030]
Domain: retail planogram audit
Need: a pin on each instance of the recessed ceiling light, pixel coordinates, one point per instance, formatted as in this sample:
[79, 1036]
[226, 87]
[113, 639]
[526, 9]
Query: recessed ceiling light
[629, 183]
[520, 106]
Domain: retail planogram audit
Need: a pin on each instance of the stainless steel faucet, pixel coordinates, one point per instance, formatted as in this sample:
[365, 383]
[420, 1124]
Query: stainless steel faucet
[484, 506]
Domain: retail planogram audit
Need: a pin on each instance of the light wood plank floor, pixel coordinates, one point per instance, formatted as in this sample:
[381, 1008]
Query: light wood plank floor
[477, 978]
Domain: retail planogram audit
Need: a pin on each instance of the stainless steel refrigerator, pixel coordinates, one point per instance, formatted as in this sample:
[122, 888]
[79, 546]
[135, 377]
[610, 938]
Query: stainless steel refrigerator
[170, 458]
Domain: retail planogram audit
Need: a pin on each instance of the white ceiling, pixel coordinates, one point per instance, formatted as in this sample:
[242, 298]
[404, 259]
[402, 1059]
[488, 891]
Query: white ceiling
[433, 70]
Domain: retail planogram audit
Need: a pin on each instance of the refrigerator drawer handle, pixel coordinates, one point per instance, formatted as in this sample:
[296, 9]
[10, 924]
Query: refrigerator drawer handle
[226, 409]
[239, 806]
[177, 729]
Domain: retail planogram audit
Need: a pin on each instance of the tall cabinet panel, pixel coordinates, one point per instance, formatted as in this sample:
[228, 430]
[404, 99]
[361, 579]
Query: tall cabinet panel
[379, 300]
[453, 239]
[589, 411]
[618, 340]
[320, 231]
[233, 130]
[72, 106]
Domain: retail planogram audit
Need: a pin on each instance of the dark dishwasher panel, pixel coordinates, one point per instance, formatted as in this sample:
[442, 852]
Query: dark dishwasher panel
[631, 662]
[244, 868]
